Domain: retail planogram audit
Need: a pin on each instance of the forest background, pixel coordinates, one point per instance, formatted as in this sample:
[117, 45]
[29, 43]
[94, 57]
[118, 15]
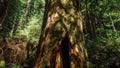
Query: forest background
[21, 20]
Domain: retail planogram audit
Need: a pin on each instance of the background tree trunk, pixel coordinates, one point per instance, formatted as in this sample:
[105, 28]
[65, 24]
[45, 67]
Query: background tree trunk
[3, 10]
[61, 41]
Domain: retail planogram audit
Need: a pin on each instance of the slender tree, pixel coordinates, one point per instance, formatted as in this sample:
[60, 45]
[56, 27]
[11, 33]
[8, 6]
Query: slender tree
[61, 41]
[3, 10]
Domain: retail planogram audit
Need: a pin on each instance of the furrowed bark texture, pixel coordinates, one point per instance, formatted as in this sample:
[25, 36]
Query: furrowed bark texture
[61, 41]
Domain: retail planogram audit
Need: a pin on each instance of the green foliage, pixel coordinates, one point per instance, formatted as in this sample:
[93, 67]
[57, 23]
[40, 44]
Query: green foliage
[24, 18]
[12, 17]
[103, 50]
[31, 29]
[12, 65]
[2, 63]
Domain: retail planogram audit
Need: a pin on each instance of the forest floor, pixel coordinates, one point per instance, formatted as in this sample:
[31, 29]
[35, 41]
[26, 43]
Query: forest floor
[16, 50]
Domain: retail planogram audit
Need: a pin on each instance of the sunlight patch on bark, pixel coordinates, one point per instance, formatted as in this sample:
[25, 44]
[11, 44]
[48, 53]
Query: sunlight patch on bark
[75, 50]
[72, 19]
[64, 2]
[71, 40]
[58, 61]
[58, 26]
[72, 11]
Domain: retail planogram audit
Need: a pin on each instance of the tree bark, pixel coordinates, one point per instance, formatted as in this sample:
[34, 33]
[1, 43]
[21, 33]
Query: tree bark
[61, 41]
[90, 19]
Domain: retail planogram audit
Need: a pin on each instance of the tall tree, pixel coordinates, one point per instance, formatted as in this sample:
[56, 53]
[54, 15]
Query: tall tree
[61, 41]
[9, 15]
[3, 10]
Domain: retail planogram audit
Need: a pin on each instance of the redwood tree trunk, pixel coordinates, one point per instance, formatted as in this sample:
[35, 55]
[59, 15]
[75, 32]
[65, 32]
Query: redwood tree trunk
[61, 41]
